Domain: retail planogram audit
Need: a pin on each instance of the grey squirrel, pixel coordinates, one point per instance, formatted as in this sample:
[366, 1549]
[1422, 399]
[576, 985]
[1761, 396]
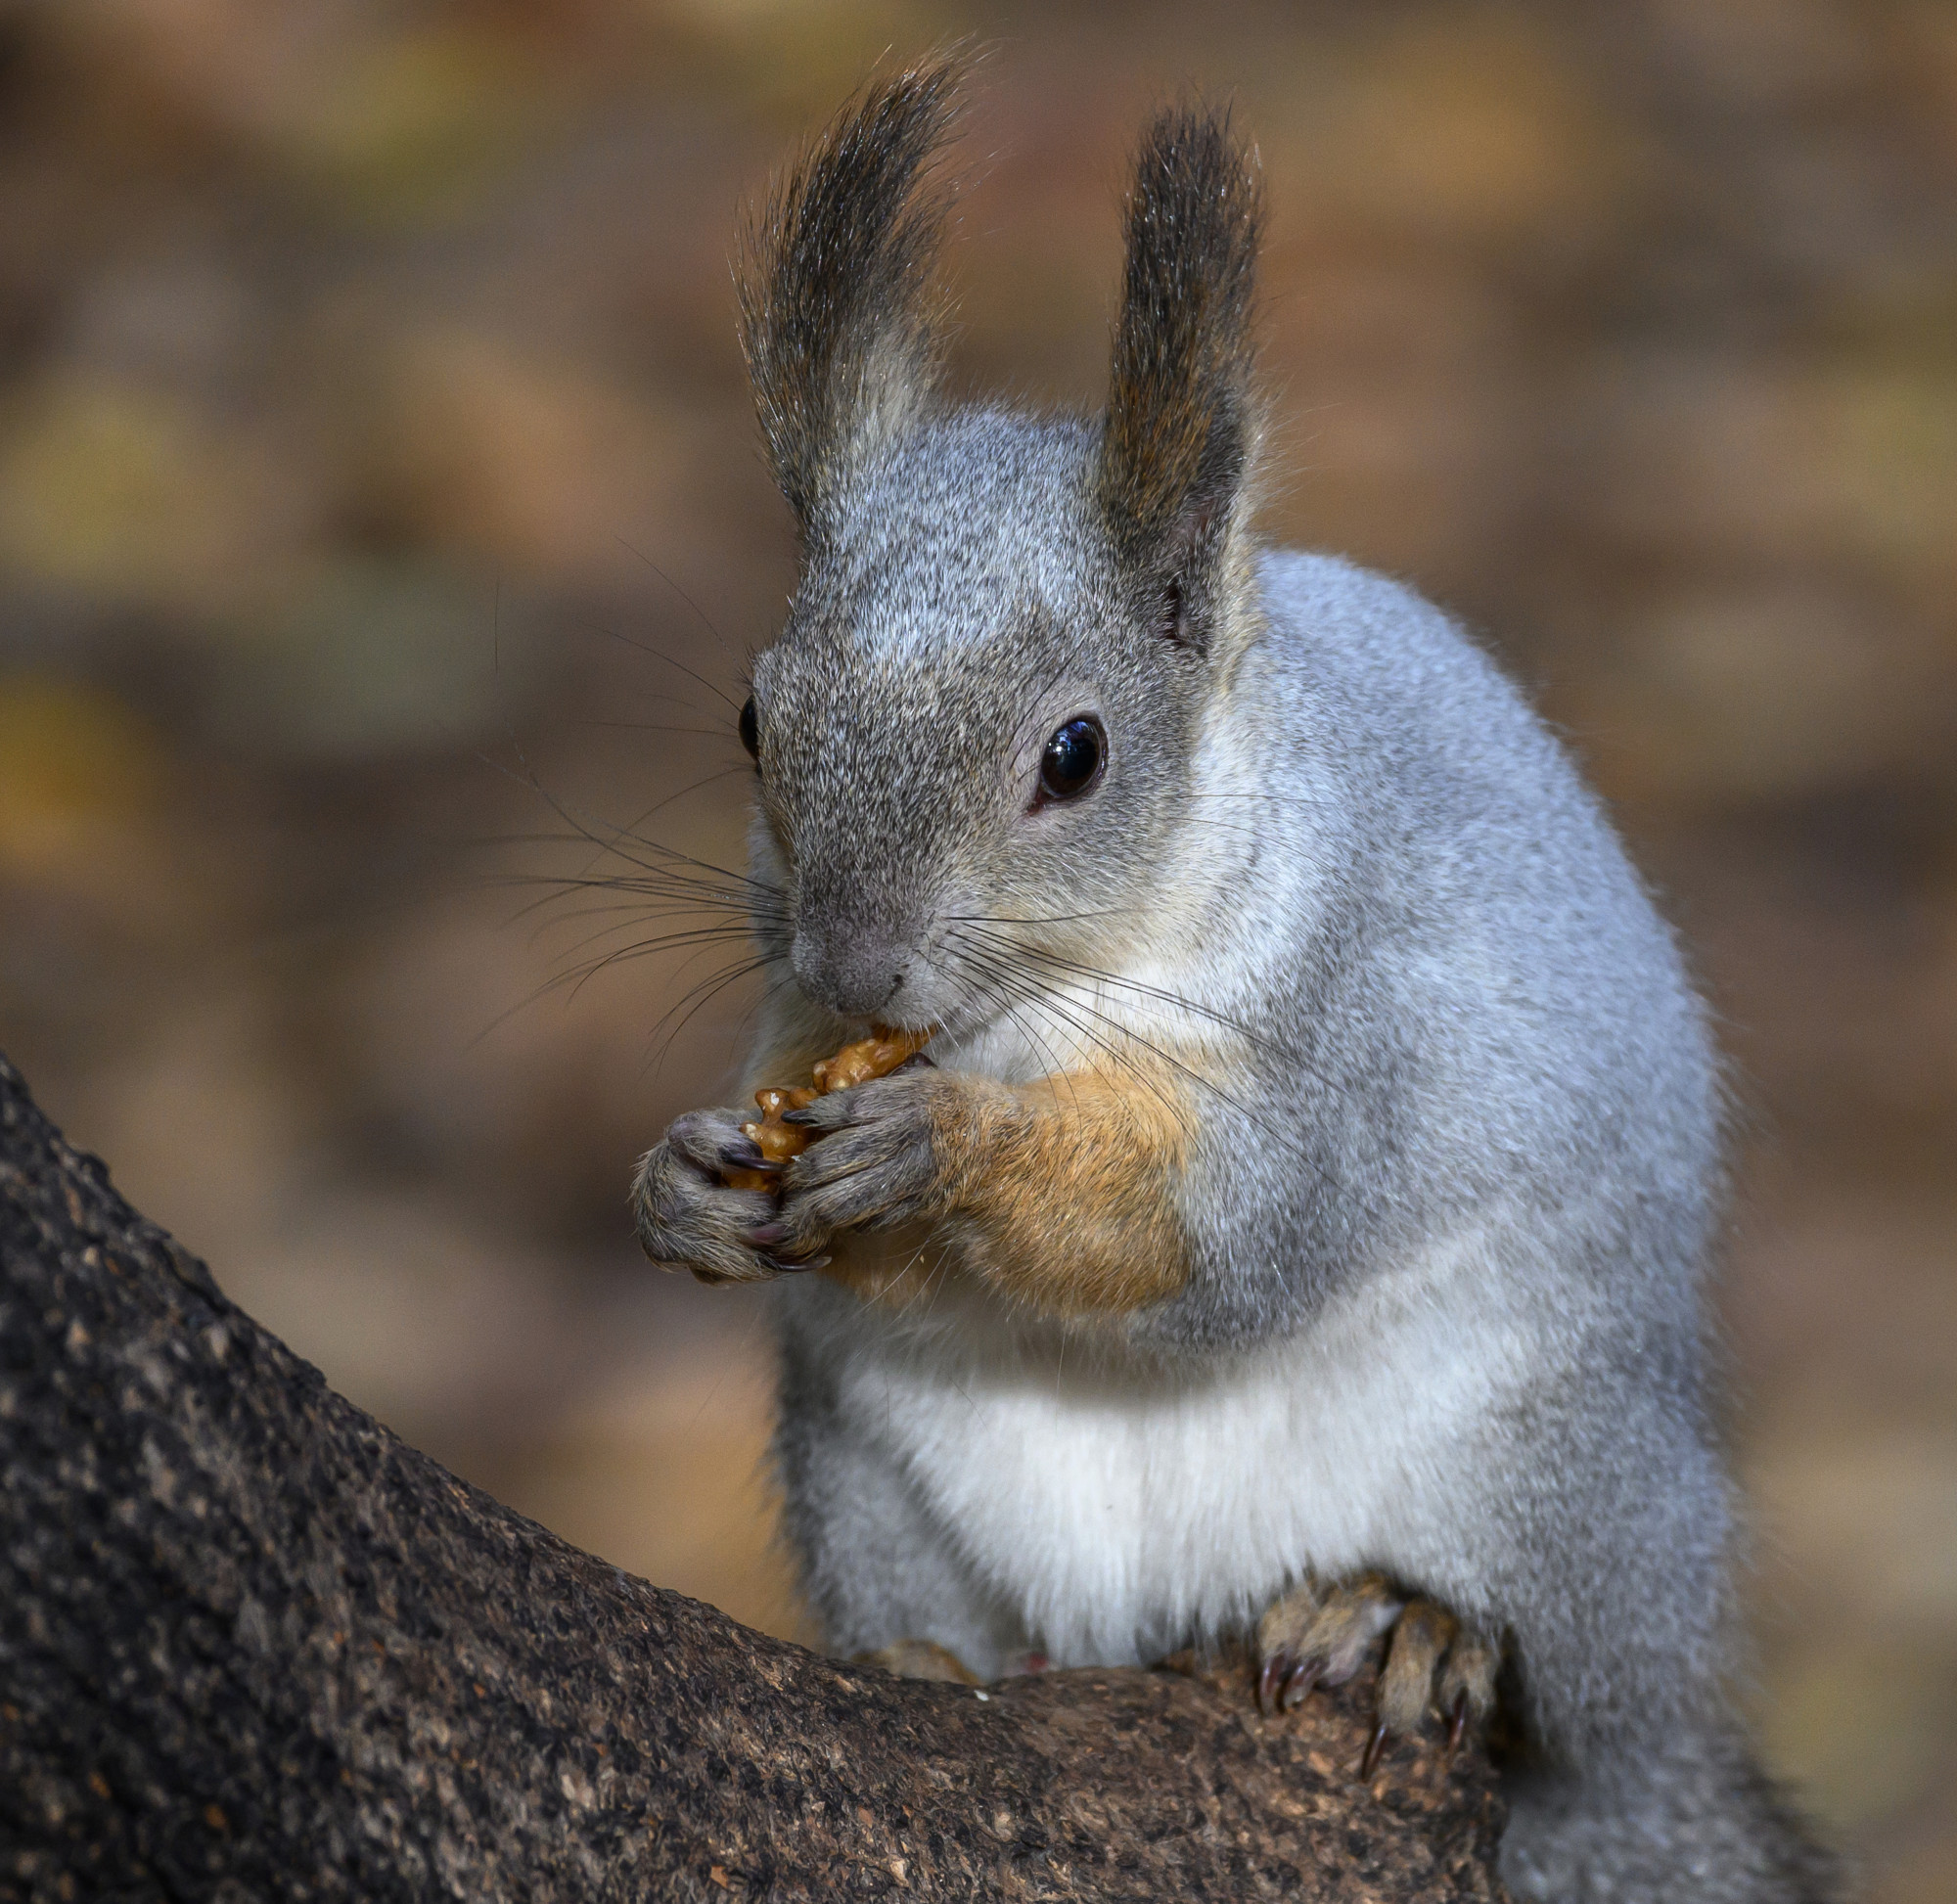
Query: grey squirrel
[1299, 1224]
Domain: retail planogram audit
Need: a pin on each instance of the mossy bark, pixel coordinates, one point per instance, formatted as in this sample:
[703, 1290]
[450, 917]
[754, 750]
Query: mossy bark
[251, 1646]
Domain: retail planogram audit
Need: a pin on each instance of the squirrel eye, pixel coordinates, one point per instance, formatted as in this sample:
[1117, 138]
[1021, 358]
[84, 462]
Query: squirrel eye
[750, 731]
[1072, 762]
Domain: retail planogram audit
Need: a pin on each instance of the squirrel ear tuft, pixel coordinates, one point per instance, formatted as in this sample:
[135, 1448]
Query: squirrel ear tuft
[1181, 423]
[842, 312]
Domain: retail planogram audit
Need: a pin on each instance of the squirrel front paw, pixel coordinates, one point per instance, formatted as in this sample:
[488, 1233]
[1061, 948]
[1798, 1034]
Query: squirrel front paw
[1320, 1636]
[881, 1160]
[689, 1218]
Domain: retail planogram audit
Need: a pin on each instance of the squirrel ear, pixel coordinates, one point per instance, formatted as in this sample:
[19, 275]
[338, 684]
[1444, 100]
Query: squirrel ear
[1182, 423]
[841, 314]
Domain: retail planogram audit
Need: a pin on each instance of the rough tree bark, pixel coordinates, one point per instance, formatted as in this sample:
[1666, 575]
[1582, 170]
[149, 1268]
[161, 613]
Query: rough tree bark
[251, 1646]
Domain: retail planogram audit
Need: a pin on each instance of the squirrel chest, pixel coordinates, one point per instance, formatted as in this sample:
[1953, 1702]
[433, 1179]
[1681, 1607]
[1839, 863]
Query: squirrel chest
[1120, 1512]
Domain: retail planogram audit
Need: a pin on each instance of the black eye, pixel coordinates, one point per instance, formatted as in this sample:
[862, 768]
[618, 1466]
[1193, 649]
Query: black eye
[750, 733]
[1072, 762]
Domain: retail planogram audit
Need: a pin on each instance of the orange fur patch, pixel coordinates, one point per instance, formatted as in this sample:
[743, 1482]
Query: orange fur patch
[1062, 1192]
[895, 1267]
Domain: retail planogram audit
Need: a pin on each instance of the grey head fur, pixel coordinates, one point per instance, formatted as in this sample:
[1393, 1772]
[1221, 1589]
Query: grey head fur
[971, 580]
[902, 716]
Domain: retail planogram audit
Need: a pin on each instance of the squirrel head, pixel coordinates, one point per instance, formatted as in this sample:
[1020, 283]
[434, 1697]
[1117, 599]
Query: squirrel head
[975, 737]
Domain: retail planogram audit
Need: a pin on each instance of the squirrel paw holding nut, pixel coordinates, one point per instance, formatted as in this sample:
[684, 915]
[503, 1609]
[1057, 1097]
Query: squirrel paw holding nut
[879, 1159]
[689, 1216]
[735, 1200]
[1320, 1635]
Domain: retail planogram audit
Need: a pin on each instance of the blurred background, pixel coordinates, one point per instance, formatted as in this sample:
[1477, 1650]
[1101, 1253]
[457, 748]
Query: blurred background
[378, 493]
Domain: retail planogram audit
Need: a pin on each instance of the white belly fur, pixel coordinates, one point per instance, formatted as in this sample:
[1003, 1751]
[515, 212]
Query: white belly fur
[1124, 1513]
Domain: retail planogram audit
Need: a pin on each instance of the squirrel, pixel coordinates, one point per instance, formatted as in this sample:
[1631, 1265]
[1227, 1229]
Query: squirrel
[1297, 1227]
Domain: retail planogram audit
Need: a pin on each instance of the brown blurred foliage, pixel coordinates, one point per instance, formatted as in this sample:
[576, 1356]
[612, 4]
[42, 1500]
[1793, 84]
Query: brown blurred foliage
[377, 487]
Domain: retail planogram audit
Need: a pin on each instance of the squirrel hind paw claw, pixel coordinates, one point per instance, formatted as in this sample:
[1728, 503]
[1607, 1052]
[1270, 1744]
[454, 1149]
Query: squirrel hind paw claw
[1276, 1672]
[1376, 1743]
[1318, 1635]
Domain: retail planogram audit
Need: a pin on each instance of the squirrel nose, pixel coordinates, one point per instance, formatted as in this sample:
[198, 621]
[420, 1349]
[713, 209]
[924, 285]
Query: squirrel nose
[854, 976]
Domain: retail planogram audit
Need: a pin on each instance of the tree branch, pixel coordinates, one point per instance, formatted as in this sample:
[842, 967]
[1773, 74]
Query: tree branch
[251, 1646]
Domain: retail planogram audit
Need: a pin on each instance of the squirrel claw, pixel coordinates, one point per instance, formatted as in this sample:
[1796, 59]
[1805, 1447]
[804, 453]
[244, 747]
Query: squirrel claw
[1287, 1681]
[1301, 1682]
[1373, 1746]
[1277, 1668]
[1457, 1725]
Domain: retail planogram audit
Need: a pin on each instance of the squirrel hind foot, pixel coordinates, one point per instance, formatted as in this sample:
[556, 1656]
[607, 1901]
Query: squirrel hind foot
[1317, 1635]
[919, 1659]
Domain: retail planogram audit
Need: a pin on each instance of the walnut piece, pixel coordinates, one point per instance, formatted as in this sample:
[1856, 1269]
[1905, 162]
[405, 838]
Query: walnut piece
[876, 1056]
